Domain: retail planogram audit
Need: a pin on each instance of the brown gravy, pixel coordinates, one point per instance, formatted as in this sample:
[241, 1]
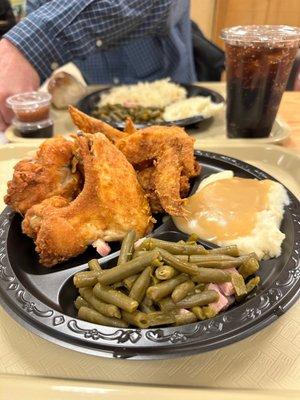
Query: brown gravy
[225, 209]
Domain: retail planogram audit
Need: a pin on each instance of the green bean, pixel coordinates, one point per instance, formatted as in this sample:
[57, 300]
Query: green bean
[198, 311]
[184, 317]
[200, 258]
[220, 260]
[87, 314]
[249, 267]
[94, 265]
[171, 247]
[200, 287]
[147, 305]
[209, 311]
[221, 264]
[197, 299]
[182, 290]
[154, 280]
[228, 250]
[157, 263]
[136, 318]
[212, 275]
[138, 253]
[238, 284]
[86, 278]
[127, 247]
[180, 266]
[80, 302]
[251, 285]
[127, 269]
[109, 310]
[117, 285]
[165, 272]
[140, 285]
[115, 297]
[161, 318]
[118, 112]
[182, 257]
[163, 289]
[128, 282]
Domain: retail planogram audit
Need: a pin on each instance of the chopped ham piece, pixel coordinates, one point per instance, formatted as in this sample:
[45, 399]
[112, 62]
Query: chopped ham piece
[102, 247]
[222, 303]
[227, 287]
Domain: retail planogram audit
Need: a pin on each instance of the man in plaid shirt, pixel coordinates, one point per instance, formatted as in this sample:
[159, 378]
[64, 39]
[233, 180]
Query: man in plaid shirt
[111, 41]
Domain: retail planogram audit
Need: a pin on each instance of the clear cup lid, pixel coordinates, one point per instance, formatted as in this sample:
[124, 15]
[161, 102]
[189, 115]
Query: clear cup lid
[28, 100]
[268, 34]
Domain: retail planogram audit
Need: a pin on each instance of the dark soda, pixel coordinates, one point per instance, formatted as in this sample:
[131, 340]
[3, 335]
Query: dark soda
[258, 63]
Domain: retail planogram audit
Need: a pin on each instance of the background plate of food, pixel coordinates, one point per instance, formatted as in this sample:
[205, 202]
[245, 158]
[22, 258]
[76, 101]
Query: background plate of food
[160, 102]
[169, 294]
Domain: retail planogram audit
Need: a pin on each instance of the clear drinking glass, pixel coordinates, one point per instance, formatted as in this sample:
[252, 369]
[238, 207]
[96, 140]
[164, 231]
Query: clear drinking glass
[259, 59]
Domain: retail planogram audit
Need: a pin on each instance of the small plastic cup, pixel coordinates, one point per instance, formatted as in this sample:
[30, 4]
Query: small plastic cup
[32, 114]
[259, 59]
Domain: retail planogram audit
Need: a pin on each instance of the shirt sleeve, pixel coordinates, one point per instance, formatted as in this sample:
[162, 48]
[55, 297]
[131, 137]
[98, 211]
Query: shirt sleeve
[63, 30]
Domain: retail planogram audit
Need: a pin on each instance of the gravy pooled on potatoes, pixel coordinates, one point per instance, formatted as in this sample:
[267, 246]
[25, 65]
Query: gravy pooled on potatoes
[225, 209]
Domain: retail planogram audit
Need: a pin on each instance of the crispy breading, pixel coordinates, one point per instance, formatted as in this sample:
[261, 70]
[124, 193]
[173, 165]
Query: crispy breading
[47, 174]
[111, 203]
[93, 125]
[168, 149]
[129, 126]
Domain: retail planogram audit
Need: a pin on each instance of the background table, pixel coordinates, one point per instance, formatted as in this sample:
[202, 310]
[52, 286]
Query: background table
[290, 112]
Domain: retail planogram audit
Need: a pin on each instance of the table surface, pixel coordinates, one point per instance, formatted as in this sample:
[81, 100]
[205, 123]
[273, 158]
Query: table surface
[289, 111]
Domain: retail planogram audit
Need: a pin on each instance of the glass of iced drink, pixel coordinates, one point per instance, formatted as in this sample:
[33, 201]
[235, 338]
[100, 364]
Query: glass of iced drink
[259, 59]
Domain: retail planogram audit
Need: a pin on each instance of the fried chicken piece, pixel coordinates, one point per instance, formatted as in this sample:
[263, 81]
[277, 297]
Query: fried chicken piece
[146, 177]
[34, 216]
[129, 126]
[48, 174]
[111, 203]
[168, 149]
[172, 153]
[93, 125]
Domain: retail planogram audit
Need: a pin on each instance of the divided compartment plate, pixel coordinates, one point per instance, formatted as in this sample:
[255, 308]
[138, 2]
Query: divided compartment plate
[41, 299]
[87, 105]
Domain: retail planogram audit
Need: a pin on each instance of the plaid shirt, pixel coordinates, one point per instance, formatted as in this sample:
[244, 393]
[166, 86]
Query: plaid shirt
[111, 41]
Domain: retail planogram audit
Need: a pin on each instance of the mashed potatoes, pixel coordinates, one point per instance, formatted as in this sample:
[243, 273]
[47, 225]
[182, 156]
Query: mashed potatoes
[264, 238]
[191, 107]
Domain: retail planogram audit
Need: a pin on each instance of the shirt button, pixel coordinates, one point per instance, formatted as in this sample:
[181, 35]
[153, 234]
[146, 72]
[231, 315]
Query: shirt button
[98, 42]
[116, 80]
[54, 66]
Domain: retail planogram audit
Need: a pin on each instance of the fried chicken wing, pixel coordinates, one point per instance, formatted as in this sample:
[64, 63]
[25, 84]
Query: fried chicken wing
[168, 150]
[48, 174]
[111, 203]
[172, 154]
[93, 125]
[146, 177]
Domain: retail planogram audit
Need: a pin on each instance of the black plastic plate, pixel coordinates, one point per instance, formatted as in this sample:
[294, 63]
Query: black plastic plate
[88, 103]
[41, 299]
